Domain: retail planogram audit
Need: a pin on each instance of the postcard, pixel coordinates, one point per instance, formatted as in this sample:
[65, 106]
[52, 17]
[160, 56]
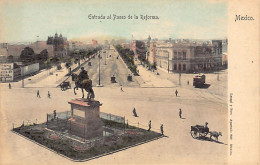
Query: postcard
[129, 82]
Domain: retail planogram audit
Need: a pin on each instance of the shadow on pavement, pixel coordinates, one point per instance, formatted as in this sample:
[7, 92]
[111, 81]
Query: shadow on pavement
[205, 86]
[202, 138]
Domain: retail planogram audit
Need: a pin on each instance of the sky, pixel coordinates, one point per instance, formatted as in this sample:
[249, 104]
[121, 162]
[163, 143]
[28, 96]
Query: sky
[197, 19]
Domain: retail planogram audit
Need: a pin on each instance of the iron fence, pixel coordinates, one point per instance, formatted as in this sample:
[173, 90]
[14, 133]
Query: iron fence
[109, 116]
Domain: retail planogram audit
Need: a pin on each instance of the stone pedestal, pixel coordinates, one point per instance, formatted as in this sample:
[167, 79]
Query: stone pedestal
[85, 119]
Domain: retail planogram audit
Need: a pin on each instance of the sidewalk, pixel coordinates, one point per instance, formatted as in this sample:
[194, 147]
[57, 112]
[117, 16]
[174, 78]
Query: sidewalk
[53, 77]
[50, 80]
[151, 79]
[41, 75]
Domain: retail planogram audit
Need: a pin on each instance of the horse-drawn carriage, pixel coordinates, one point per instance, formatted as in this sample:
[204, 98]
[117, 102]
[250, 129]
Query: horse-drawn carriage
[113, 79]
[65, 85]
[129, 77]
[199, 131]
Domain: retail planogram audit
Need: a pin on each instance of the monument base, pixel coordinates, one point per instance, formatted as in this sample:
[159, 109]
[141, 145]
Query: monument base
[85, 118]
[88, 130]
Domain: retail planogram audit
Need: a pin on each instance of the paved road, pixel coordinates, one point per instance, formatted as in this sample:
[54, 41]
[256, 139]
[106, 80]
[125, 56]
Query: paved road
[110, 66]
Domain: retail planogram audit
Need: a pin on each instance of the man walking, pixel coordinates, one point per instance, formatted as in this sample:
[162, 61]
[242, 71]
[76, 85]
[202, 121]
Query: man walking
[10, 86]
[162, 129]
[54, 114]
[176, 93]
[188, 82]
[180, 112]
[149, 125]
[134, 112]
[49, 95]
[38, 94]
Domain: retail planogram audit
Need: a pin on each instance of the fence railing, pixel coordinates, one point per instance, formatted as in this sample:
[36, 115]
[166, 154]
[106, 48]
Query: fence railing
[111, 117]
[60, 115]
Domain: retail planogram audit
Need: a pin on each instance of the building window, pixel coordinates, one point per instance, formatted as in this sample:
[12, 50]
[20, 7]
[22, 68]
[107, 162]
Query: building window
[184, 55]
[175, 66]
[179, 55]
[184, 67]
[179, 67]
[175, 55]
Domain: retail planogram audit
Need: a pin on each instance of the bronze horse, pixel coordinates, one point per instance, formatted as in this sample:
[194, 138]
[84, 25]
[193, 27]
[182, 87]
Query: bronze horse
[87, 86]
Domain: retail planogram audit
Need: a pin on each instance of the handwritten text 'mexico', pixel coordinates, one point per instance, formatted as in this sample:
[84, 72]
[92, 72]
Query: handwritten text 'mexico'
[121, 17]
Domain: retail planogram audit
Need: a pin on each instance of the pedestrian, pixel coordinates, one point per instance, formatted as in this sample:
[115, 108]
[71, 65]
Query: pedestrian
[188, 82]
[176, 92]
[206, 125]
[162, 129]
[54, 114]
[134, 112]
[49, 95]
[180, 112]
[10, 86]
[122, 89]
[38, 94]
[149, 125]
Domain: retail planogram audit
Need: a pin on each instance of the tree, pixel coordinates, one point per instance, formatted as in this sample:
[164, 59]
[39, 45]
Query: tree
[44, 55]
[10, 58]
[27, 55]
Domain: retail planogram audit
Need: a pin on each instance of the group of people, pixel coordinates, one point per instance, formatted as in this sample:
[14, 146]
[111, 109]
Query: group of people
[149, 124]
[39, 96]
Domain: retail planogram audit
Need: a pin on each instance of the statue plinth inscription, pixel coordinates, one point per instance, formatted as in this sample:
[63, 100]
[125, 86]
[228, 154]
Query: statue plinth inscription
[85, 119]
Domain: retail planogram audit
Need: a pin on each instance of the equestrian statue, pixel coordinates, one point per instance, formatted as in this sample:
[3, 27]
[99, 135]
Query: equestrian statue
[82, 81]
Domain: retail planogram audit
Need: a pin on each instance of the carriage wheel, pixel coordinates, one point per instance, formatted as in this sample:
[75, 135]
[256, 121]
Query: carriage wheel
[194, 133]
[203, 134]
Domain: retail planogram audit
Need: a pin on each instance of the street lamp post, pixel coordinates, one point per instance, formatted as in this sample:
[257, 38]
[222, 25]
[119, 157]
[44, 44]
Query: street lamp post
[217, 61]
[168, 62]
[218, 73]
[180, 77]
[99, 85]
[106, 58]
[99, 69]
[23, 77]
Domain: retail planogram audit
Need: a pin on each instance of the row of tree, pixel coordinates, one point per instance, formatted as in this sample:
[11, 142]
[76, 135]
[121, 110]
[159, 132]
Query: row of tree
[76, 55]
[28, 55]
[128, 57]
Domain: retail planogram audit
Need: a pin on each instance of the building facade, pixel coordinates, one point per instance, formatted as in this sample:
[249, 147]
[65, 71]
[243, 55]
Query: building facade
[217, 52]
[139, 50]
[60, 45]
[9, 72]
[184, 57]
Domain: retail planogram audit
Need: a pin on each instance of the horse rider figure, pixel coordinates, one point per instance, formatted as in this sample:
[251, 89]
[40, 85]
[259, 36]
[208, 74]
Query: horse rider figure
[206, 128]
[206, 125]
[83, 76]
